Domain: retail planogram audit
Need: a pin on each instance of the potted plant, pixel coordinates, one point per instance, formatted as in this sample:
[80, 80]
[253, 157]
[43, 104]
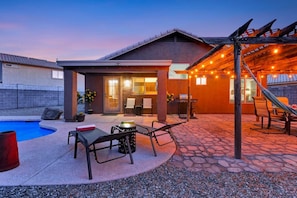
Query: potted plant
[170, 97]
[89, 97]
[80, 117]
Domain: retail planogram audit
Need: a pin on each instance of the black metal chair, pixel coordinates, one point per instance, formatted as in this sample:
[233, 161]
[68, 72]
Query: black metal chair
[90, 138]
[151, 132]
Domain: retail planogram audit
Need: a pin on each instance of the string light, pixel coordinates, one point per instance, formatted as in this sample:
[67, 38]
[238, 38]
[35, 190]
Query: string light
[275, 51]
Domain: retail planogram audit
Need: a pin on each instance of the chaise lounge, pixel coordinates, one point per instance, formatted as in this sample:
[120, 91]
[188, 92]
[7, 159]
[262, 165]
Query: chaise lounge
[89, 137]
[153, 132]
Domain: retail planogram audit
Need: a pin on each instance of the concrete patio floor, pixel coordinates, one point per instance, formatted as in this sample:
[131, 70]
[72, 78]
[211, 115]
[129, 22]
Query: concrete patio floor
[48, 160]
[203, 144]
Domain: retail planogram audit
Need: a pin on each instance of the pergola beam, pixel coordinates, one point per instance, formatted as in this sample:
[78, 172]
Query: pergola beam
[250, 40]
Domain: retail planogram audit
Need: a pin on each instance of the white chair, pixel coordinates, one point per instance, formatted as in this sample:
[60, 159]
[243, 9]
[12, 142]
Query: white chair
[130, 104]
[147, 104]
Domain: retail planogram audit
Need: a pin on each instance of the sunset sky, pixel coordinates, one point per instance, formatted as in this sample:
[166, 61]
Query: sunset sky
[90, 29]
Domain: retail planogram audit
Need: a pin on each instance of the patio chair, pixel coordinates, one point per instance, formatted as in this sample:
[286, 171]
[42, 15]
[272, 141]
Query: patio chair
[153, 132]
[283, 100]
[147, 104]
[290, 116]
[130, 104]
[89, 139]
[263, 109]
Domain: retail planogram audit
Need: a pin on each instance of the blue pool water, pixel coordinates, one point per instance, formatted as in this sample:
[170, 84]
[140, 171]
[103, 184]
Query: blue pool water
[25, 130]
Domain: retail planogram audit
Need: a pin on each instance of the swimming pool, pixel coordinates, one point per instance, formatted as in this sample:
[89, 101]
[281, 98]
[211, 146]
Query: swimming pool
[25, 130]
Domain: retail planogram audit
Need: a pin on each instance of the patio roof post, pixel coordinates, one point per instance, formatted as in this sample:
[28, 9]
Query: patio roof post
[237, 99]
[70, 95]
[162, 97]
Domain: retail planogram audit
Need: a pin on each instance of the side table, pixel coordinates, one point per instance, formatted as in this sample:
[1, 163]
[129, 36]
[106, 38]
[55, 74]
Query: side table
[126, 127]
[138, 110]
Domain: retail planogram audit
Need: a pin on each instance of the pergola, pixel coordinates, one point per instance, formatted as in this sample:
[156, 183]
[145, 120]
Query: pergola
[265, 50]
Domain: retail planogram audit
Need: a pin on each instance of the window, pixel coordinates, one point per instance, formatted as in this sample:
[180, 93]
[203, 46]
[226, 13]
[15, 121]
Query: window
[177, 67]
[143, 86]
[201, 81]
[56, 74]
[248, 90]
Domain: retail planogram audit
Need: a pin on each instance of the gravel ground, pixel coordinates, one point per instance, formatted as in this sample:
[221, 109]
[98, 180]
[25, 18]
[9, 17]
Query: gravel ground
[169, 181]
[166, 181]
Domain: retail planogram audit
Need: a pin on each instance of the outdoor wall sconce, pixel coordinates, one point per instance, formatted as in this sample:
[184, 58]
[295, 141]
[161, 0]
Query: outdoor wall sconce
[127, 83]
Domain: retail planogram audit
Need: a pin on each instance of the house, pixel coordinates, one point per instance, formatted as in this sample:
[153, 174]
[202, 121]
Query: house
[266, 51]
[138, 71]
[206, 71]
[29, 82]
[283, 85]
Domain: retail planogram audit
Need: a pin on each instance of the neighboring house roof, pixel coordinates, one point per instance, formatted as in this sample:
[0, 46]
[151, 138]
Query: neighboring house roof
[14, 59]
[148, 41]
[281, 79]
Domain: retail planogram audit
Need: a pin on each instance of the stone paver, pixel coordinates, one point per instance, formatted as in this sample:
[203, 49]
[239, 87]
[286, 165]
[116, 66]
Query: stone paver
[207, 144]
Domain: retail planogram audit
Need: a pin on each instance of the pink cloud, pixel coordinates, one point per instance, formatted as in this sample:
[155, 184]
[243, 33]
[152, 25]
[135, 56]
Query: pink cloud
[9, 26]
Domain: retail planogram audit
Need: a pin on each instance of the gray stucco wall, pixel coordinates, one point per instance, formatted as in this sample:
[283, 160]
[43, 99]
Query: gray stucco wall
[29, 75]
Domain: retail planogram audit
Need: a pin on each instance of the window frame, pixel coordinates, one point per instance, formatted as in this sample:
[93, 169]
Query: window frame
[57, 74]
[142, 85]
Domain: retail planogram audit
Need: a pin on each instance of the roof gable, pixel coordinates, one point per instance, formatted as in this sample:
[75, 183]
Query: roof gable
[8, 58]
[167, 36]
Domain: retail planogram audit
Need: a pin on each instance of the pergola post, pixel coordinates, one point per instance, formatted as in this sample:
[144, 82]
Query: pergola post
[237, 99]
[189, 99]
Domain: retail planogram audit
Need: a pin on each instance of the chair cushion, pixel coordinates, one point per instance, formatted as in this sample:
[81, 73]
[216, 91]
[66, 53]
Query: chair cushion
[86, 127]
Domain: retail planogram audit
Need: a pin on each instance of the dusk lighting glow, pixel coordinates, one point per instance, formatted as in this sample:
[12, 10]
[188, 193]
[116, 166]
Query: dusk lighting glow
[88, 31]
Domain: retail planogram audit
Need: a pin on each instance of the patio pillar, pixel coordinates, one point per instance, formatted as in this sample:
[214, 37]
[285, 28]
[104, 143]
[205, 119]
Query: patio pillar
[70, 95]
[162, 97]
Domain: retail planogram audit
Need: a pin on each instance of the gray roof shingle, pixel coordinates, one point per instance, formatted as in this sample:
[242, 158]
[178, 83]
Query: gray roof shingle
[147, 41]
[281, 79]
[14, 59]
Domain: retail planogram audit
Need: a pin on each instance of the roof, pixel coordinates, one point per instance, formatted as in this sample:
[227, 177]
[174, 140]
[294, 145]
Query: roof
[258, 55]
[115, 66]
[14, 59]
[148, 41]
[281, 79]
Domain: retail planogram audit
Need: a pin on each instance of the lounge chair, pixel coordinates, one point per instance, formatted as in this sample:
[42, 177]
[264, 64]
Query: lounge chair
[154, 132]
[90, 138]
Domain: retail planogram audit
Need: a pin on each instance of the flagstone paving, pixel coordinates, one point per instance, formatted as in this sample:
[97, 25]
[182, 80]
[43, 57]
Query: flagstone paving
[207, 144]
